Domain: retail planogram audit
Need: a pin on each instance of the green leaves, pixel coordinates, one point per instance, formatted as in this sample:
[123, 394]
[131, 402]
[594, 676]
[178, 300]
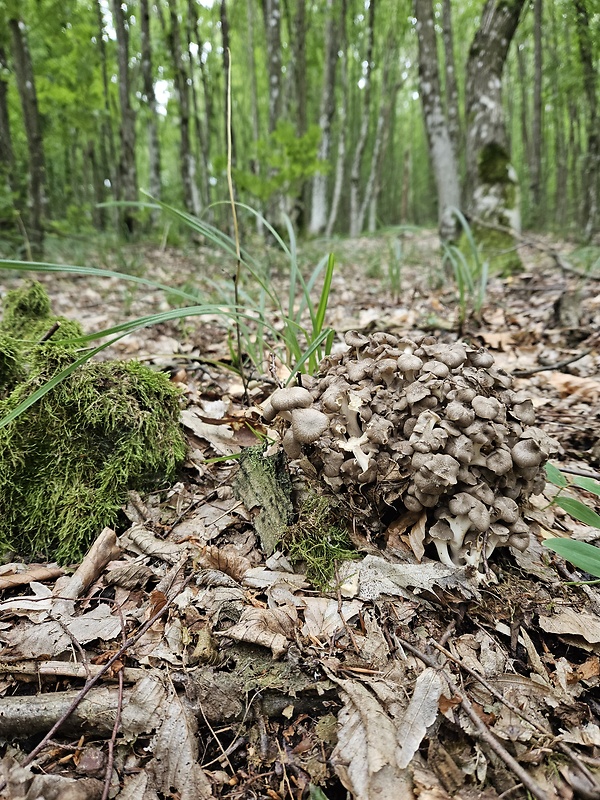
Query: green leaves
[582, 555]
[555, 476]
[579, 511]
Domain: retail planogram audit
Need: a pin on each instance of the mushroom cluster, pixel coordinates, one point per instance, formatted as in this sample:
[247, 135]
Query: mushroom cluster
[396, 425]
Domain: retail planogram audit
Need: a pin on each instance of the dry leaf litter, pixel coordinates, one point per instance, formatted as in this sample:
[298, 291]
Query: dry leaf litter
[450, 660]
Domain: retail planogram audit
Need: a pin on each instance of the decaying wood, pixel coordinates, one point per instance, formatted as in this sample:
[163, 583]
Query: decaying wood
[64, 669]
[103, 550]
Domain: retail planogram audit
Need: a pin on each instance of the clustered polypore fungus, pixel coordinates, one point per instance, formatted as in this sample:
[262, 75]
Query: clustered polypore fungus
[396, 425]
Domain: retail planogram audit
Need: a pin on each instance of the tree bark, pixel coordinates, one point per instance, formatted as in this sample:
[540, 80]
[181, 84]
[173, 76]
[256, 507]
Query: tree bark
[204, 127]
[187, 162]
[441, 151]
[387, 102]
[154, 169]
[108, 156]
[355, 173]
[318, 206]
[537, 195]
[272, 17]
[592, 158]
[226, 69]
[342, 116]
[201, 139]
[492, 186]
[127, 165]
[33, 129]
[452, 105]
[7, 157]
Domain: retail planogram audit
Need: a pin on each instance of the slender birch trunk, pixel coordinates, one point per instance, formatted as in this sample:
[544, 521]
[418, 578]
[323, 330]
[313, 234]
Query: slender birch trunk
[387, 102]
[187, 161]
[33, 129]
[201, 139]
[127, 165]
[452, 105]
[591, 184]
[154, 167]
[536, 178]
[318, 205]
[441, 151]
[272, 16]
[342, 116]
[357, 160]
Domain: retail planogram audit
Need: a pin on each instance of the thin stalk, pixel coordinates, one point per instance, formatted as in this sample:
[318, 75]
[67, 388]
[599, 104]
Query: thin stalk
[236, 232]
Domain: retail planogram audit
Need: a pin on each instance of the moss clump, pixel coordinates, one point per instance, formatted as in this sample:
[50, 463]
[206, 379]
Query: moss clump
[67, 462]
[318, 540]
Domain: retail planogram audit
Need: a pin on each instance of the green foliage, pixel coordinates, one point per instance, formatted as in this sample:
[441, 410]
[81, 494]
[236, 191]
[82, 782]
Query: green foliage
[470, 272]
[67, 462]
[581, 554]
[286, 160]
[318, 540]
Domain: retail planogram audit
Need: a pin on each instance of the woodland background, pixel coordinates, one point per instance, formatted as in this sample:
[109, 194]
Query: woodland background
[100, 100]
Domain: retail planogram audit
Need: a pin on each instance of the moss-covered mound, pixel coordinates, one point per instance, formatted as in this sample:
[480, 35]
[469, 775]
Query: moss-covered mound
[67, 462]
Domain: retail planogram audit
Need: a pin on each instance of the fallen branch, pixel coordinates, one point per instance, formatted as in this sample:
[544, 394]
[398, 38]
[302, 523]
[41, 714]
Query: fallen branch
[484, 733]
[525, 373]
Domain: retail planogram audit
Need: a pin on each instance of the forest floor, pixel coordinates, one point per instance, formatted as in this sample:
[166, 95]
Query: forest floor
[248, 681]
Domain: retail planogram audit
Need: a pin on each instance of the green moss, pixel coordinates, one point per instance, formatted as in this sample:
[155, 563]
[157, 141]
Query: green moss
[67, 462]
[318, 540]
[493, 246]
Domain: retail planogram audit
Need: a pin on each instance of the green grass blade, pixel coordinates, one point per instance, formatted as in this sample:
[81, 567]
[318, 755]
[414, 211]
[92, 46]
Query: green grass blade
[49, 385]
[39, 266]
[310, 351]
[325, 291]
[581, 554]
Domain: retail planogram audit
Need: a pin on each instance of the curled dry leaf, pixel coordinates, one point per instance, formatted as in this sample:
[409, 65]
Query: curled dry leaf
[227, 561]
[273, 628]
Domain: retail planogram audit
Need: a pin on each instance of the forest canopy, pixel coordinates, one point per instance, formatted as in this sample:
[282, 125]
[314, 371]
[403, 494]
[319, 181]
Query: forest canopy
[341, 112]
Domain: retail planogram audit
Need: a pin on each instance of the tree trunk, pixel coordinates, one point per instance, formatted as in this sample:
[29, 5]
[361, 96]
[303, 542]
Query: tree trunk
[202, 133]
[441, 151]
[108, 156]
[342, 116]
[205, 126]
[272, 16]
[8, 182]
[150, 99]
[301, 90]
[318, 206]
[387, 102]
[187, 162]
[355, 173]
[492, 187]
[226, 68]
[452, 106]
[33, 130]
[127, 166]
[592, 158]
[537, 195]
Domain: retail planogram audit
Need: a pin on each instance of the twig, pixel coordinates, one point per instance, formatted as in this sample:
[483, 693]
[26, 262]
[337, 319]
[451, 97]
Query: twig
[484, 733]
[515, 709]
[581, 473]
[113, 739]
[95, 678]
[236, 235]
[50, 332]
[524, 373]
